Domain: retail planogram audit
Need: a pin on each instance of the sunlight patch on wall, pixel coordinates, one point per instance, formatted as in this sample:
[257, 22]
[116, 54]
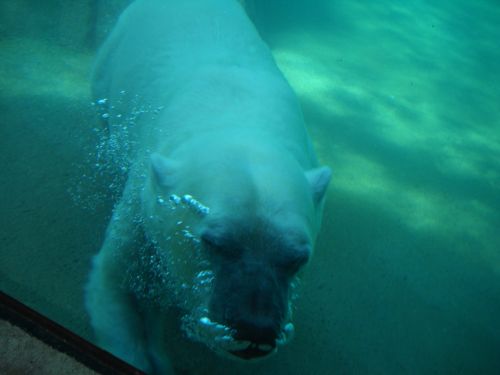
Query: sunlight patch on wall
[34, 68]
[417, 207]
[404, 113]
[311, 80]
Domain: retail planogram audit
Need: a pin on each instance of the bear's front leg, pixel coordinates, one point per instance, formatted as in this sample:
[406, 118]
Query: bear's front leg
[113, 309]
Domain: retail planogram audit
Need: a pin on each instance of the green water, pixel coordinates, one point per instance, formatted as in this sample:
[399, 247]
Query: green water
[401, 100]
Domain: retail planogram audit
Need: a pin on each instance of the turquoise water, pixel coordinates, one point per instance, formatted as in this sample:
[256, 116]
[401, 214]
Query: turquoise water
[401, 100]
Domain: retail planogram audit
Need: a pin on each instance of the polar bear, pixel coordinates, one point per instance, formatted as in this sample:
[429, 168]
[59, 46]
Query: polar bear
[223, 195]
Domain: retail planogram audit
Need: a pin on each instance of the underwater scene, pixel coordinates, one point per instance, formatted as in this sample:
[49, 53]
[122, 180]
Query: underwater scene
[401, 101]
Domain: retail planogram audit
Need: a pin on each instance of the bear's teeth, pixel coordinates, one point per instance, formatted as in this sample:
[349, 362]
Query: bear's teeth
[265, 347]
[240, 345]
[224, 339]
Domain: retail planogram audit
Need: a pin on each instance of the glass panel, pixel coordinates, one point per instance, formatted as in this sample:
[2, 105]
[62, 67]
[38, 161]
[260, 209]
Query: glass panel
[52, 222]
[400, 100]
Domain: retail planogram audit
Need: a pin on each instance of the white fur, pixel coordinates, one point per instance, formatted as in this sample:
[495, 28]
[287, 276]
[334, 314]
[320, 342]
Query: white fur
[218, 121]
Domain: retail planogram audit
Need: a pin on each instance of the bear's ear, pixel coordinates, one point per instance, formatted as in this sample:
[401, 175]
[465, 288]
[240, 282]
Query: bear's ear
[318, 180]
[163, 170]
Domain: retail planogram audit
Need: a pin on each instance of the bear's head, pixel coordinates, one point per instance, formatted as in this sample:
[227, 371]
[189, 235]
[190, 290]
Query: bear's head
[236, 243]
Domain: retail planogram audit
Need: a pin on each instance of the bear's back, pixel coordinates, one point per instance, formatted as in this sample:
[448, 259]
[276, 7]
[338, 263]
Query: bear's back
[157, 45]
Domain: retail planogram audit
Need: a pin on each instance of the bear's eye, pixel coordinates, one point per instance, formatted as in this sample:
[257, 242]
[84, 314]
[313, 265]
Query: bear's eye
[219, 245]
[208, 238]
[295, 261]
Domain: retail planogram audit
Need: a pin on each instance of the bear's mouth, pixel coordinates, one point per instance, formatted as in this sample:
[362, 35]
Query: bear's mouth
[254, 351]
[248, 350]
[224, 340]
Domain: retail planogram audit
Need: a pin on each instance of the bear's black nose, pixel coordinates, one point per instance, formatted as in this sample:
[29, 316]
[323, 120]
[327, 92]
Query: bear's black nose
[260, 334]
[258, 331]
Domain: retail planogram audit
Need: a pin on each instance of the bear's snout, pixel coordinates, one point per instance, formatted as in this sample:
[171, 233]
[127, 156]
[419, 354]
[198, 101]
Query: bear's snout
[259, 331]
[253, 303]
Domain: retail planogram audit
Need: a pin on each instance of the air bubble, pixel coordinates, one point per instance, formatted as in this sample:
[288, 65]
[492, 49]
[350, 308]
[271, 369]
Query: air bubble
[205, 321]
[175, 199]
